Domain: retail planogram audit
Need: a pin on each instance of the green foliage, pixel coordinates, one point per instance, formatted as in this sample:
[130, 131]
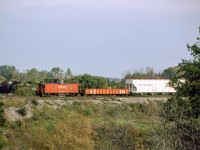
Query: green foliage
[22, 111]
[56, 72]
[3, 140]
[85, 125]
[15, 87]
[33, 77]
[16, 124]
[7, 71]
[169, 73]
[2, 78]
[35, 102]
[89, 81]
[88, 112]
[138, 106]
[54, 129]
[182, 111]
[2, 118]
[112, 136]
[24, 91]
[68, 74]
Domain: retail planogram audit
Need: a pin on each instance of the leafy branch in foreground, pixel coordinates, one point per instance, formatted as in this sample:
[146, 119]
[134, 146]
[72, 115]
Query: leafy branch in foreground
[181, 113]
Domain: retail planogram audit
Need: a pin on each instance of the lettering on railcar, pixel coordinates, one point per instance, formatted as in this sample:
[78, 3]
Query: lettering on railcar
[62, 86]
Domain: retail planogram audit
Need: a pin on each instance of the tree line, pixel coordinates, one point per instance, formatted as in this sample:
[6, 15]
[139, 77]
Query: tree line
[33, 76]
[149, 73]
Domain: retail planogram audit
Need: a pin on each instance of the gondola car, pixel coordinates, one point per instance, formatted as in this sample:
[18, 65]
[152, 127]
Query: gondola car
[106, 91]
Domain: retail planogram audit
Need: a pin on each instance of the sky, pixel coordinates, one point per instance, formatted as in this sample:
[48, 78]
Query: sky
[99, 37]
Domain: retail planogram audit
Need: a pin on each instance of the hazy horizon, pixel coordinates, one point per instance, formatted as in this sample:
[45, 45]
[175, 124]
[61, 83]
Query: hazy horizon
[104, 38]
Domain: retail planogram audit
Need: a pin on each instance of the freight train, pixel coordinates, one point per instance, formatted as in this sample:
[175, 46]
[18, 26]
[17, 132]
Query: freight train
[133, 87]
[55, 88]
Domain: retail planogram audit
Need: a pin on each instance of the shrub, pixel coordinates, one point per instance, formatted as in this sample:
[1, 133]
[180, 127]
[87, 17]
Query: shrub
[22, 111]
[24, 91]
[88, 112]
[2, 119]
[138, 107]
[15, 87]
[35, 102]
[16, 124]
[3, 139]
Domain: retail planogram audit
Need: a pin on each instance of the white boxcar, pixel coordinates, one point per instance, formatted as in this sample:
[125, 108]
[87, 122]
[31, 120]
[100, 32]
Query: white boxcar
[149, 86]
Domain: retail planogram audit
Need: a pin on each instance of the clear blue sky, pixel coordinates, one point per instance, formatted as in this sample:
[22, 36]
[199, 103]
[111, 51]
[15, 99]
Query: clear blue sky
[99, 37]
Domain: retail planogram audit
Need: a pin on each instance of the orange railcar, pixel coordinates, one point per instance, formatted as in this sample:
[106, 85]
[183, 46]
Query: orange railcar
[56, 89]
[106, 91]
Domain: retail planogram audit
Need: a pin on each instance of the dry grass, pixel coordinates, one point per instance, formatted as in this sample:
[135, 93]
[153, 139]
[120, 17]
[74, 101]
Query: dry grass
[16, 102]
[55, 130]
[85, 126]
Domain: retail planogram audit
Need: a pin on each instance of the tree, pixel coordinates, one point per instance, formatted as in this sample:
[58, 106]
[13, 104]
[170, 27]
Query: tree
[150, 72]
[32, 76]
[182, 112]
[2, 78]
[68, 73]
[7, 71]
[56, 72]
[43, 75]
[169, 73]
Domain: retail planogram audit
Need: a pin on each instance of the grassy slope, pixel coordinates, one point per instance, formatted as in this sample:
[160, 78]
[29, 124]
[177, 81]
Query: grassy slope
[85, 126]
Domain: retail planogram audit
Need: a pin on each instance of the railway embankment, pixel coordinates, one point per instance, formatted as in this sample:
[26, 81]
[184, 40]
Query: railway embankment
[12, 113]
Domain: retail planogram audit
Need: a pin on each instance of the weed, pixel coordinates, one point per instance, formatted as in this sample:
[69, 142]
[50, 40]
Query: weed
[3, 140]
[88, 112]
[35, 102]
[49, 125]
[2, 119]
[22, 111]
[16, 124]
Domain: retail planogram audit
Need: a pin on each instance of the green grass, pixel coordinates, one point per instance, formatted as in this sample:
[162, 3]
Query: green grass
[84, 126]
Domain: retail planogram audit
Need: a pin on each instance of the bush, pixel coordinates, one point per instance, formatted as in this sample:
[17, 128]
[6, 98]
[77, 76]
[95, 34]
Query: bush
[22, 111]
[16, 124]
[113, 136]
[2, 119]
[3, 139]
[35, 102]
[138, 107]
[24, 91]
[15, 87]
[88, 112]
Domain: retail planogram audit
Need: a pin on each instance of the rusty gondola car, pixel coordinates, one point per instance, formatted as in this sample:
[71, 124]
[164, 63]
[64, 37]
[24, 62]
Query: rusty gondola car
[106, 91]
